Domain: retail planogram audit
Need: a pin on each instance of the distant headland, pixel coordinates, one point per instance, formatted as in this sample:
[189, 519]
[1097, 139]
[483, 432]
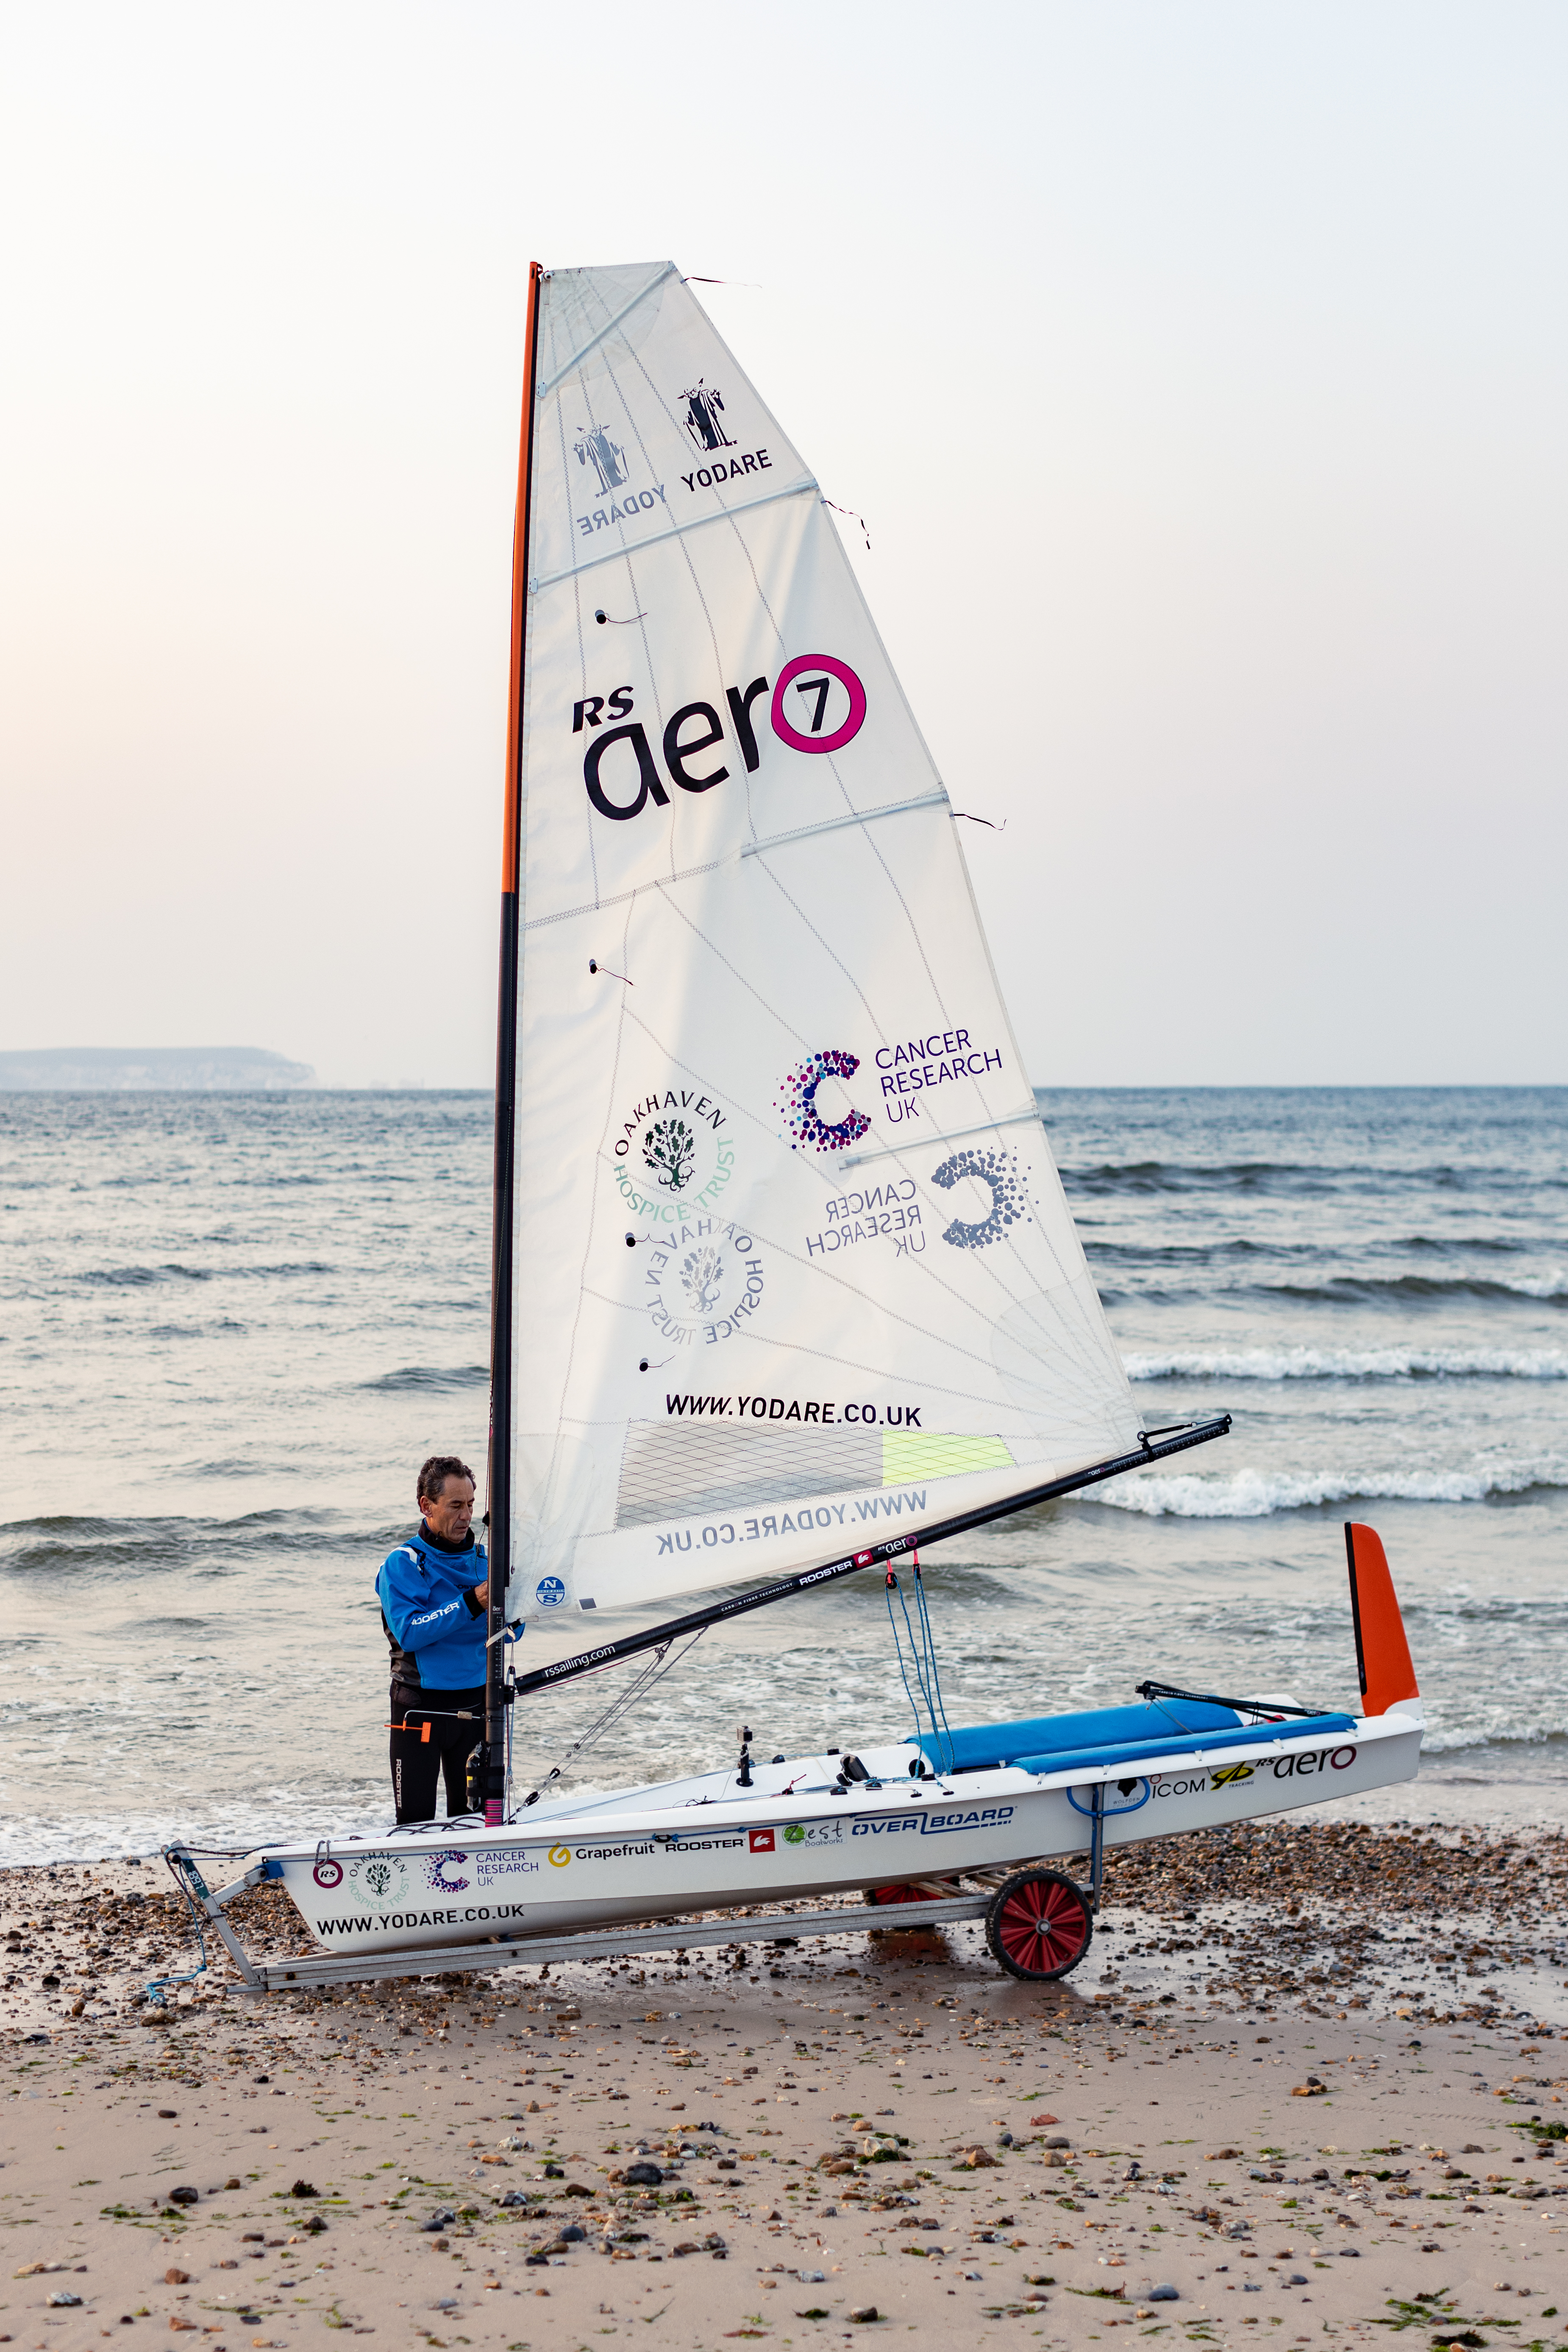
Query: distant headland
[150, 1069]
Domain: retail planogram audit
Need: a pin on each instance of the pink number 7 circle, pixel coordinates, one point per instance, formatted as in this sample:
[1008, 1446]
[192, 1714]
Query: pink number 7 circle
[801, 663]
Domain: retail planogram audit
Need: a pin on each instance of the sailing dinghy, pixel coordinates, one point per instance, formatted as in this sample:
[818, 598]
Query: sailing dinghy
[784, 1282]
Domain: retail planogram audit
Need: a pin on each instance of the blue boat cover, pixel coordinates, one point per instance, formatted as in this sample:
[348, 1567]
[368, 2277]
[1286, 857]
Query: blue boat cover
[985, 1745]
[1132, 1752]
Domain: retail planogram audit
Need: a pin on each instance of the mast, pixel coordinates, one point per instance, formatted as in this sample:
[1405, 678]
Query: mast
[498, 1469]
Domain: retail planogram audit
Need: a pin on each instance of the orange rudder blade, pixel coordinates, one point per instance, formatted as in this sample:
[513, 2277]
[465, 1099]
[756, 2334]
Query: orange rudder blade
[1382, 1651]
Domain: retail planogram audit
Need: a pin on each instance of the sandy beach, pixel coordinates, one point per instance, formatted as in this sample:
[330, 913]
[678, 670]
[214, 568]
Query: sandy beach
[1242, 2113]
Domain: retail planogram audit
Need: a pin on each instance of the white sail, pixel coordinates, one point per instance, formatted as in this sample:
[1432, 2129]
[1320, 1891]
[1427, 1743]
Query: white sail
[854, 1302]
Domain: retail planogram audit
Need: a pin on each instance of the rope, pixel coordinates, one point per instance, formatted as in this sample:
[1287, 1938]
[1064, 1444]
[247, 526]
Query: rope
[940, 1711]
[156, 1996]
[892, 1586]
[659, 1665]
[1266, 1710]
[509, 1671]
[923, 1664]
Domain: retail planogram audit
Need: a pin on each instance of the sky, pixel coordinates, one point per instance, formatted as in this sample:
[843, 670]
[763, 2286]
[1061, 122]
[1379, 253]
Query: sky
[1199, 371]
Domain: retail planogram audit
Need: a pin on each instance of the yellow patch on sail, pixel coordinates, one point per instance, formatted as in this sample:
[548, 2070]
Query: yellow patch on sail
[911, 1454]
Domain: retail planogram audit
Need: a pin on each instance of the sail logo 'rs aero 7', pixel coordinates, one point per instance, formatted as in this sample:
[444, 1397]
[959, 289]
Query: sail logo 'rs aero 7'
[818, 705]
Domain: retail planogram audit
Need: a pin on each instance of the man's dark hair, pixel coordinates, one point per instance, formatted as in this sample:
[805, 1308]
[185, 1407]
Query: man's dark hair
[433, 1477]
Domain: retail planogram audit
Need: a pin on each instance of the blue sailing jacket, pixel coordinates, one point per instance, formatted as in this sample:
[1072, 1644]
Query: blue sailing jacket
[435, 1626]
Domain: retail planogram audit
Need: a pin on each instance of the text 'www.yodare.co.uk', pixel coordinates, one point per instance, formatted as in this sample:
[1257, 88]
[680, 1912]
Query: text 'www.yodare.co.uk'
[761, 1408]
[826, 1515]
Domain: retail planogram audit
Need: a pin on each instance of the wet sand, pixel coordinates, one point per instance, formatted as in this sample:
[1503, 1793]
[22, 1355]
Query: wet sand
[1246, 2094]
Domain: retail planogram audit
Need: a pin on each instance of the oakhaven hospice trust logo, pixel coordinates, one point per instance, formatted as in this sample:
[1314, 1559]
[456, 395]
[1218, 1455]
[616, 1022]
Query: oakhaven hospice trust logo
[378, 1880]
[674, 1155]
[702, 1282]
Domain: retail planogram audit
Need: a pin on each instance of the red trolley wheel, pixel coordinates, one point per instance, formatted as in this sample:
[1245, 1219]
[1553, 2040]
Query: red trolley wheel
[1039, 1924]
[880, 1895]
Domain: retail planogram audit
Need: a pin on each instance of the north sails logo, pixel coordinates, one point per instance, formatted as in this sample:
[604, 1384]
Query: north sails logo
[703, 410]
[607, 457]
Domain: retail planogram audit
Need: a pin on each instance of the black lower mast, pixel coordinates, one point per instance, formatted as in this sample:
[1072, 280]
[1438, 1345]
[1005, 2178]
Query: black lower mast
[588, 1662]
[492, 1762]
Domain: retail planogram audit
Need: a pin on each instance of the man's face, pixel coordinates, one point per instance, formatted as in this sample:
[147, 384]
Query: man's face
[450, 1514]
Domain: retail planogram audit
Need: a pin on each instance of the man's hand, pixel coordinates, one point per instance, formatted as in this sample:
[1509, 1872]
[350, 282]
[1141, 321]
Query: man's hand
[482, 1595]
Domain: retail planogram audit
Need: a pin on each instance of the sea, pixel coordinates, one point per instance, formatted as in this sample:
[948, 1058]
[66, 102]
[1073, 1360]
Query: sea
[231, 1326]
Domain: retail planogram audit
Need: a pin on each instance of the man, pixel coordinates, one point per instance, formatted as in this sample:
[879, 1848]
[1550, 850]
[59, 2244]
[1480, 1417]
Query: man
[433, 1591]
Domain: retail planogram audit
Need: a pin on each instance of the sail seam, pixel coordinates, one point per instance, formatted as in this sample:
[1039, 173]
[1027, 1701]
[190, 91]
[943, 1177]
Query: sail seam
[836, 824]
[593, 341]
[675, 531]
[893, 1150]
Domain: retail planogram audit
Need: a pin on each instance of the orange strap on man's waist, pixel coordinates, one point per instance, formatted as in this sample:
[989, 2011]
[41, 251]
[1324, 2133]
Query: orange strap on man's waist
[447, 1715]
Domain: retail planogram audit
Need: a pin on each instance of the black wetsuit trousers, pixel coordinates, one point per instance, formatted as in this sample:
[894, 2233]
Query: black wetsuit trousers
[455, 1721]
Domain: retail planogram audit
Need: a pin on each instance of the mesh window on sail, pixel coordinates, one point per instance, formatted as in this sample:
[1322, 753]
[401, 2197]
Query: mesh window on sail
[681, 1471]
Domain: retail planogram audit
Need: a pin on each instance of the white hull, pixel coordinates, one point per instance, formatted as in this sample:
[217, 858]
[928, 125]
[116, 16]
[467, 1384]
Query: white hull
[706, 1845]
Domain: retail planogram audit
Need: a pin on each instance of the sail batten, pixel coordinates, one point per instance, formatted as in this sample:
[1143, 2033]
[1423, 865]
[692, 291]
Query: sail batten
[790, 1258]
[1030, 1118]
[836, 824]
[754, 849]
[676, 531]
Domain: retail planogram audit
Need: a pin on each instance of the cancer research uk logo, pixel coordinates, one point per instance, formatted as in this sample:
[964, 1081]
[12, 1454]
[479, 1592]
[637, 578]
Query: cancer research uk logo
[1003, 1176]
[443, 1874]
[797, 1100]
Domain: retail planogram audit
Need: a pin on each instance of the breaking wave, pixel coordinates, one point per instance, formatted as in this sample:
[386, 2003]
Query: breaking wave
[1351, 1364]
[1257, 1495]
[1110, 1178]
[1404, 1289]
[136, 1277]
[1452, 1743]
[122, 1548]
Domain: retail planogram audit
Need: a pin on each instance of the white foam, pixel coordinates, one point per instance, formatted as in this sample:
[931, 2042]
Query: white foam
[1450, 1743]
[1350, 1364]
[1546, 1285]
[1256, 1494]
